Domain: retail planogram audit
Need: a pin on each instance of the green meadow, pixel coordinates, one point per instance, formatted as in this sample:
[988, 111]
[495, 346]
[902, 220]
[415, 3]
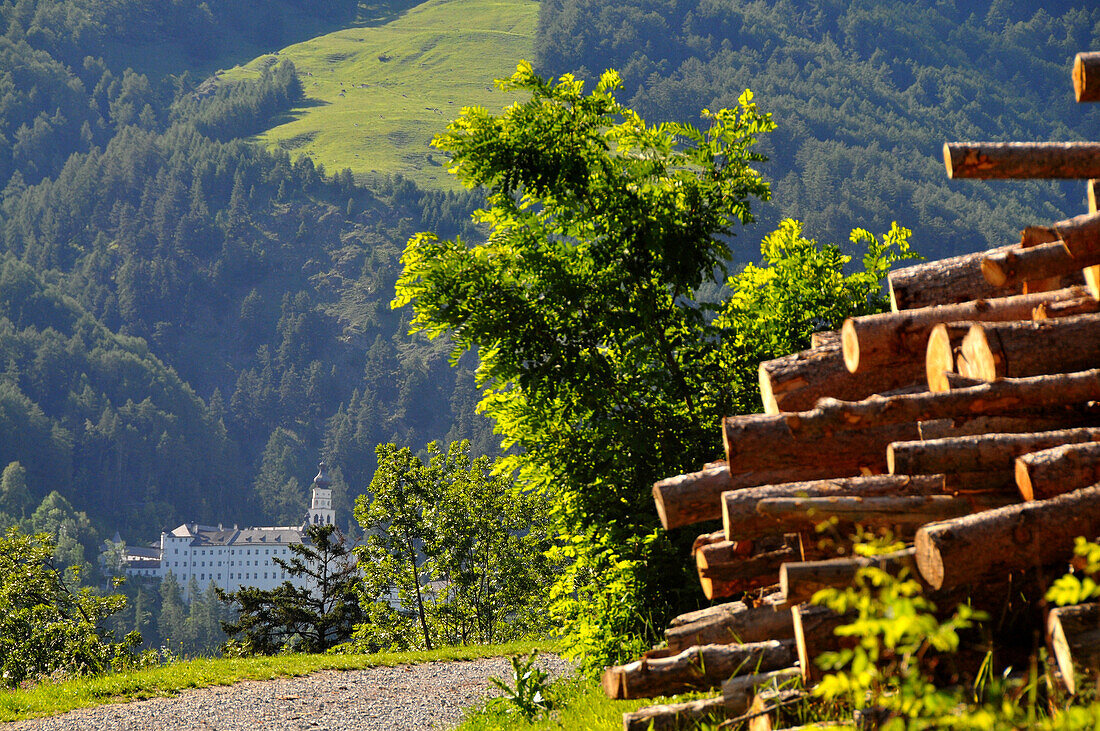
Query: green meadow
[377, 93]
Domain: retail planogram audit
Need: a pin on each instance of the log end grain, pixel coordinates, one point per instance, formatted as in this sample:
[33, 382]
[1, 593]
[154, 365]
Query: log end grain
[939, 359]
[1023, 481]
[1086, 77]
[849, 340]
[767, 396]
[929, 559]
[995, 271]
[1092, 280]
[979, 360]
[948, 161]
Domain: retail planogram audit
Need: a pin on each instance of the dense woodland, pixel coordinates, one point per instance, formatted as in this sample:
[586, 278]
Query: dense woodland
[188, 321]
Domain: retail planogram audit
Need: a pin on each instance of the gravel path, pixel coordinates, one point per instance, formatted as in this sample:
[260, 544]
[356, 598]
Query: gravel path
[431, 695]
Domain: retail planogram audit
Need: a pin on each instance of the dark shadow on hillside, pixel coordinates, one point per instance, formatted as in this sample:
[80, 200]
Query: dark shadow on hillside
[372, 14]
[296, 113]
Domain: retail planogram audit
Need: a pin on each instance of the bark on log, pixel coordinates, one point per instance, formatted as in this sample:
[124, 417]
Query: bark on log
[814, 633]
[1086, 77]
[676, 716]
[1074, 635]
[722, 572]
[738, 691]
[940, 359]
[696, 668]
[1022, 160]
[742, 520]
[1058, 470]
[730, 623]
[1080, 235]
[845, 435]
[1038, 264]
[1023, 348]
[889, 339]
[942, 282]
[798, 582]
[992, 544]
[824, 337]
[979, 453]
[1083, 305]
[903, 515]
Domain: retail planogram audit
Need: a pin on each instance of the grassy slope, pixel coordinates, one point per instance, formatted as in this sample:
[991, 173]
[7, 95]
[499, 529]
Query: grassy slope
[377, 95]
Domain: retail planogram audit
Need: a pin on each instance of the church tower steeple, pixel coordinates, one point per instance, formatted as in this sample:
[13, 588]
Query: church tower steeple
[321, 511]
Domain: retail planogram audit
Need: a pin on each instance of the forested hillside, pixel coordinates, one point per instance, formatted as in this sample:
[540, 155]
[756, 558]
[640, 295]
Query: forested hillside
[864, 94]
[188, 321]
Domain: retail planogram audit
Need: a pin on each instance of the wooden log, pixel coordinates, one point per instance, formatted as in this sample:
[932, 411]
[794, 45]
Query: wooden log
[815, 633]
[824, 337]
[890, 339]
[730, 623]
[723, 572]
[993, 544]
[1080, 235]
[1042, 263]
[1074, 636]
[1092, 274]
[799, 581]
[768, 705]
[738, 691]
[1083, 305]
[840, 434]
[940, 359]
[1022, 160]
[979, 453]
[676, 716]
[903, 515]
[1086, 76]
[697, 668]
[742, 520]
[1023, 348]
[795, 382]
[1057, 470]
[942, 282]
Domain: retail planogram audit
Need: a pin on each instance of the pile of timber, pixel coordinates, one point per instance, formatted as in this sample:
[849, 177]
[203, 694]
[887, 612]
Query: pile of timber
[964, 421]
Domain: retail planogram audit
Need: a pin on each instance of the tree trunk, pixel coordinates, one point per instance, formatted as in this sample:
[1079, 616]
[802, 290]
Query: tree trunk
[891, 339]
[773, 708]
[696, 668]
[978, 453]
[1074, 636]
[723, 573]
[800, 581]
[1025, 348]
[1057, 470]
[942, 282]
[739, 691]
[1042, 263]
[990, 545]
[742, 520]
[677, 716]
[847, 435]
[1023, 160]
[814, 633]
[901, 514]
[1086, 77]
[941, 354]
[730, 623]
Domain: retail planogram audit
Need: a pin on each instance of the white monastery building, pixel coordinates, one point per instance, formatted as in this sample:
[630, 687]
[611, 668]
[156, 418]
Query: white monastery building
[231, 557]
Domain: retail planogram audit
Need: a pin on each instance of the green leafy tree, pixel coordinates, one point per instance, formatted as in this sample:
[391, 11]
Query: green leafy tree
[600, 362]
[15, 497]
[312, 617]
[46, 625]
[455, 546]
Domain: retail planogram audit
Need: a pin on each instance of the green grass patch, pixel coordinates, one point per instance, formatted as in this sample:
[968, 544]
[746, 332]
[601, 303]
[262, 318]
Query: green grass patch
[377, 94]
[52, 698]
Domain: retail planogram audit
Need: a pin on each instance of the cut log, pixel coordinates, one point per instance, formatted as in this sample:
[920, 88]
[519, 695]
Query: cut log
[1022, 160]
[1086, 77]
[1042, 263]
[738, 691]
[1023, 348]
[1083, 305]
[1074, 635]
[723, 572]
[995, 543]
[902, 515]
[677, 716]
[978, 453]
[742, 520]
[824, 337]
[940, 359]
[889, 339]
[815, 633]
[800, 581]
[1049, 472]
[795, 382]
[1080, 235]
[769, 705]
[697, 668]
[942, 282]
[730, 623]
[842, 435]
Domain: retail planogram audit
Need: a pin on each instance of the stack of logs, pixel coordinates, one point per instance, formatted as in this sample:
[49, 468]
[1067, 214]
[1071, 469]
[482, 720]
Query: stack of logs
[963, 421]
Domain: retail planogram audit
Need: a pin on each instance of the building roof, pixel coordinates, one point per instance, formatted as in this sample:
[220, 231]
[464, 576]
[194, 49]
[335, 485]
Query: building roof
[208, 535]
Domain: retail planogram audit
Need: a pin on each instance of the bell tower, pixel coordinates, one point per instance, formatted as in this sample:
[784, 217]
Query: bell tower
[321, 511]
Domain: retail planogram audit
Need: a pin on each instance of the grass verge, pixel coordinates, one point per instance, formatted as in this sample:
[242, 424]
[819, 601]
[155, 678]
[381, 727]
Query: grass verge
[52, 698]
